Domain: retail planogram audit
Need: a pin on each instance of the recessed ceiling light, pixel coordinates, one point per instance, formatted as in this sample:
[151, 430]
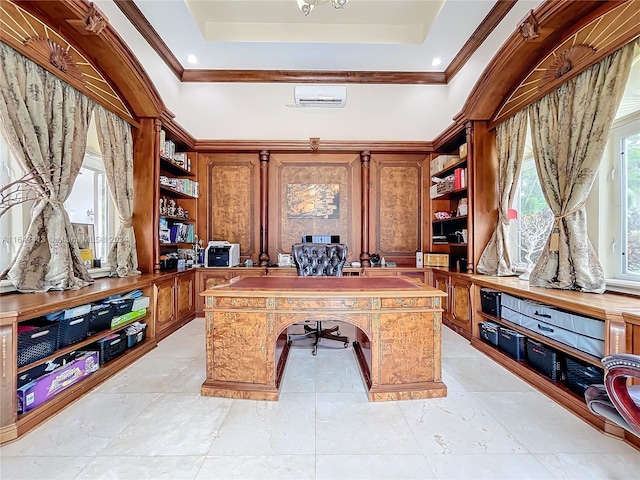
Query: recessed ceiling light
[435, 62]
[192, 59]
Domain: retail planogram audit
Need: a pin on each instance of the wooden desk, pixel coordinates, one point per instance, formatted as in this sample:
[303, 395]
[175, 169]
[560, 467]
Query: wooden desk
[398, 341]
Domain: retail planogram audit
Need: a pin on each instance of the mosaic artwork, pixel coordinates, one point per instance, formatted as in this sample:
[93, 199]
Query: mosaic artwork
[313, 200]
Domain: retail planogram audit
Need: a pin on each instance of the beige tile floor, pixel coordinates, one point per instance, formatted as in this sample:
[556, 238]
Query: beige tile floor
[149, 421]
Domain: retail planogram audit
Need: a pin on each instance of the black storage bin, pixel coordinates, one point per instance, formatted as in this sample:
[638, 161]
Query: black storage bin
[110, 347]
[512, 343]
[581, 374]
[72, 330]
[44, 368]
[121, 307]
[135, 335]
[546, 360]
[36, 339]
[490, 301]
[489, 332]
[101, 316]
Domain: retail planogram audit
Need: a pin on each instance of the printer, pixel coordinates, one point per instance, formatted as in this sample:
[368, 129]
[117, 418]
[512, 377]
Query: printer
[222, 254]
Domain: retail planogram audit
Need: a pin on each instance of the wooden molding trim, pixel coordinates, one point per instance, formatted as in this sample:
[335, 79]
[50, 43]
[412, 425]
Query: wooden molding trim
[311, 145]
[477, 38]
[451, 137]
[485, 28]
[512, 80]
[581, 48]
[121, 84]
[177, 131]
[304, 76]
[140, 22]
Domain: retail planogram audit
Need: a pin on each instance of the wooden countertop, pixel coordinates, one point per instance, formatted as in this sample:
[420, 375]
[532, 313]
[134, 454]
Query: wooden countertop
[23, 306]
[291, 286]
[592, 304]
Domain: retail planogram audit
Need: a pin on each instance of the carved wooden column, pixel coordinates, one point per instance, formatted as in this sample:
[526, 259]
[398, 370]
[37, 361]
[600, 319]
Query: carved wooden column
[264, 208]
[365, 159]
[471, 163]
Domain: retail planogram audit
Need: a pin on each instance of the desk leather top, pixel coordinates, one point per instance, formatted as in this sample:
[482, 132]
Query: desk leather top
[351, 284]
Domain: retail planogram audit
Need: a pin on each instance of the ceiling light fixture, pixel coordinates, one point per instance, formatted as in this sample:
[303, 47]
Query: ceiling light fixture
[306, 6]
[192, 59]
[435, 62]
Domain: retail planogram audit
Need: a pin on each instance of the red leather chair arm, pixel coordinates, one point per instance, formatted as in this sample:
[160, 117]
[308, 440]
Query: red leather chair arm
[626, 399]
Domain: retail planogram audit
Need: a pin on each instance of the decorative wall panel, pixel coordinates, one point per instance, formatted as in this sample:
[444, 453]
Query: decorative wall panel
[230, 208]
[398, 189]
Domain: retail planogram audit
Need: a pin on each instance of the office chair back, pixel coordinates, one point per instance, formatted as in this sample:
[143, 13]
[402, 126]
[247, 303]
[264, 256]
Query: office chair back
[319, 259]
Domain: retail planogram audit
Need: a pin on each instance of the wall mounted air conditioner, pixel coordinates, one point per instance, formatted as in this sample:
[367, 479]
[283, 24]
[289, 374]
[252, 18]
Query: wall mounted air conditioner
[320, 95]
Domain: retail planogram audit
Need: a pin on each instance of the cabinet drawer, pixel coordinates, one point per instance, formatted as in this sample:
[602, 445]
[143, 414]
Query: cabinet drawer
[322, 304]
[239, 302]
[408, 302]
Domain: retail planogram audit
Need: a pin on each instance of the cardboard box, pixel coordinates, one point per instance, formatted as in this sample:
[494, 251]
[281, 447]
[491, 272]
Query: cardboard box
[451, 162]
[463, 151]
[439, 162]
[436, 260]
[122, 319]
[48, 386]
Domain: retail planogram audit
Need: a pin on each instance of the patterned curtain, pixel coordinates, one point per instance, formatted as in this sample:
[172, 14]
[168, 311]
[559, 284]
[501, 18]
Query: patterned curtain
[570, 128]
[45, 121]
[116, 143]
[510, 140]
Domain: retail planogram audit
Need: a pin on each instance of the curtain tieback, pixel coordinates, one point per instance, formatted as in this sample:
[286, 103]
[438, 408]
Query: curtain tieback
[126, 223]
[555, 232]
[52, 201]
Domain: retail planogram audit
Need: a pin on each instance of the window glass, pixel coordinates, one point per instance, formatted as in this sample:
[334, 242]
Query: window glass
[623, 174]
[531, 226]
[14, 220]
[630, 187]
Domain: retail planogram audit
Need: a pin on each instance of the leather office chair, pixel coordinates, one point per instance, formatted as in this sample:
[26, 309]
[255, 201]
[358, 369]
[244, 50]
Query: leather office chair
[616, 400]
[320, 259]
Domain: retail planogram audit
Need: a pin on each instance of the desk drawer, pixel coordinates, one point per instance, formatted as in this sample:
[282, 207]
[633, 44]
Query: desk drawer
[407, 302]
[345, 304]
[239, 302]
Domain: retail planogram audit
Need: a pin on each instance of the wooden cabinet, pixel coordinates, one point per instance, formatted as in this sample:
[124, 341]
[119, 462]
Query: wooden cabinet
[616, 312]
[19, 308]
[175, 302]
[185, 294]
[457, 307]
[165, 299]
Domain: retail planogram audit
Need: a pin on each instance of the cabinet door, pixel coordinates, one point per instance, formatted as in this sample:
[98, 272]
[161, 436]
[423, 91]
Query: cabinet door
[165, 305]
[441, 282]
[460, 303]
[185, 294]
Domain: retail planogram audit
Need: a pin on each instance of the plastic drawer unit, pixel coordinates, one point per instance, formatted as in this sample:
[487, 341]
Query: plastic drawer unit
[582, 333]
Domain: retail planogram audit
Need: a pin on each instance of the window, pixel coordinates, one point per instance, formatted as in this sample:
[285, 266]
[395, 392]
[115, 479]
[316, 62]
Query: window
[626, 176]
[15, 220]
[617, 203]
[89, 202]
[531, 227]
